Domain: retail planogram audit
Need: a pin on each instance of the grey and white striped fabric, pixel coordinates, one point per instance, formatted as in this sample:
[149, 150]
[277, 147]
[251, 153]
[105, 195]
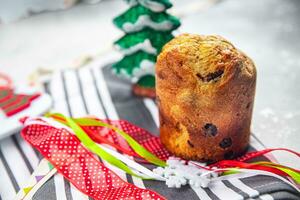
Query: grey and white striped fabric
[95, 91]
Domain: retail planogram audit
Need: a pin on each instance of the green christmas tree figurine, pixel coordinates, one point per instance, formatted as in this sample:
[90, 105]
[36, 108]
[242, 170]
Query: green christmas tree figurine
[147, 28]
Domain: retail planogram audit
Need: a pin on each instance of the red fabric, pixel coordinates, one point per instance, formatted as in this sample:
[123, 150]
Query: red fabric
[79, 166]
[16, 110]
[6, 97]
[14, 103]
[14, 100]
[65, 152]
[143, 137]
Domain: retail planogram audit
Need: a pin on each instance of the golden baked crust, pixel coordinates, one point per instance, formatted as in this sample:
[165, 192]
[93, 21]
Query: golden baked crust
[205, 91]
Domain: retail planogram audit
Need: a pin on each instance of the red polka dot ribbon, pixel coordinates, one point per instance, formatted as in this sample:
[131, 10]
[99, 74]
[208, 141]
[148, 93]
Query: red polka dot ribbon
[107, 136]
[79, 166]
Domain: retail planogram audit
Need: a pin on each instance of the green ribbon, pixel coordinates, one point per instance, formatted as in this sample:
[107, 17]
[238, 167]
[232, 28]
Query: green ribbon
[139, 149]
[230, 171]
[292, 173]
[75, 123]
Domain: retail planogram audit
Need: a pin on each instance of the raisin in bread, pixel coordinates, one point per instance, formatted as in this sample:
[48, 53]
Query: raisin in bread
[205, 91]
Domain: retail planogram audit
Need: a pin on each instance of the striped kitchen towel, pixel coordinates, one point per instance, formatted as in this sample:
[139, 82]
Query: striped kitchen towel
[96, 91]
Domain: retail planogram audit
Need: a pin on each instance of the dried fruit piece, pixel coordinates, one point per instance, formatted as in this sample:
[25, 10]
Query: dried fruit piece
[214, 76]
[191, 145]
[225, 143]
[210, 129]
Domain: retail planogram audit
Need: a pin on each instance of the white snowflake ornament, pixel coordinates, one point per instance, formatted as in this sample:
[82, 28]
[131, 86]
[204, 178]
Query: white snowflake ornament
[179, 173]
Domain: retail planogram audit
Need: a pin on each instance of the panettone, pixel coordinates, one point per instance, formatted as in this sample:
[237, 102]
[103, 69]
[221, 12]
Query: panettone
[205, 91]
